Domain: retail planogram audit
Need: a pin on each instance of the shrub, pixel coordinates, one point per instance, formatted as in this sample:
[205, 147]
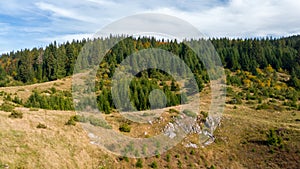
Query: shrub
[16, 115]
[70, 122]
[235, 100]
[76, 118]
[17, 100]
[33, 109]
[157, 155]
[189, 113]
[168, 158]
[153, 164]
[139, 163]
[125, 128]
[173, 111]
[262, 106]
[273, 139]
[179, 163]
[125, 158]
[205, 114]
[212, 167]
[98, 122]
[7, 107]
[41, 126]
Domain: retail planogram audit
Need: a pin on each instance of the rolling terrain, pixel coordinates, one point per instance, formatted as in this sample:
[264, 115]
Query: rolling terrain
[242, 139]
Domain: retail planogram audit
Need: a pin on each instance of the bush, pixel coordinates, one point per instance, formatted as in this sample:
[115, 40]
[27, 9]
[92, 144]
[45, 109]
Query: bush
[41, 126]
[98, 122]
[70, 122]
[168, 158]
[173, 111]
[33, 109]
[125, 128]
[76, 118]
[204, 114]
[235, 100]
[17, 100]
[263, 106]
[125, 158]
[189, 113]
[273, 139]
[139, 163]
[154, 164]
[7, 107]
[16, 115]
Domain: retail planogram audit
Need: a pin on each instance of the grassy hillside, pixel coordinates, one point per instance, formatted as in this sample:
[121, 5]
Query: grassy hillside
[247, 137]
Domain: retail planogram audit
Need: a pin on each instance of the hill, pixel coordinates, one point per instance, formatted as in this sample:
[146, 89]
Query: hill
[241, 140]
[260, 127]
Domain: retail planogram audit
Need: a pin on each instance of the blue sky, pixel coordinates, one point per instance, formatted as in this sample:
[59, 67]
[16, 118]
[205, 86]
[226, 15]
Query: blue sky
[36, 23]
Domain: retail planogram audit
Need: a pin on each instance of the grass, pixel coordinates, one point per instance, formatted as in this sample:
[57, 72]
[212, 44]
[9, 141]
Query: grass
[241, 139]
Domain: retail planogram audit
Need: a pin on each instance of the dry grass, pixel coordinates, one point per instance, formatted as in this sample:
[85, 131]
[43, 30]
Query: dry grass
[24, 92]
[58, 146]
[239, 139]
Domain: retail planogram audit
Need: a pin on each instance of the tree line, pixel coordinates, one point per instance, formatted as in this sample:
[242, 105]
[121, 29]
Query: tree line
[57, 60]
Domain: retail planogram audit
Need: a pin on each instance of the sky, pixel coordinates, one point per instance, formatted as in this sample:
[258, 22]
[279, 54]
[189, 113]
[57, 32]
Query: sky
[36, 23]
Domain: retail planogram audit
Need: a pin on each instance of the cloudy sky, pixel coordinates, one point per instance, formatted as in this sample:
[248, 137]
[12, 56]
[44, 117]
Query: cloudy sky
[36, 23]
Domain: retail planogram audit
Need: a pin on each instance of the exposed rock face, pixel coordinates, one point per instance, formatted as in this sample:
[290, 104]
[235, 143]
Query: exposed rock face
[191, 145]
[191, 126]
[188, 125]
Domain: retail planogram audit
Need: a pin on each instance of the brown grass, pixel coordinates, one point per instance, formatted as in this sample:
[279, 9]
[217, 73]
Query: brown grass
[240, 139]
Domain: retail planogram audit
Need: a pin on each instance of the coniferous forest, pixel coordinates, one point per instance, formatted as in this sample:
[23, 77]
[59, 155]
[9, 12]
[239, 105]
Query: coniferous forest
[57, 61]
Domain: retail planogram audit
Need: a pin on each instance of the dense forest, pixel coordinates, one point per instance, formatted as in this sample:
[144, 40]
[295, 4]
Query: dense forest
[57, 61]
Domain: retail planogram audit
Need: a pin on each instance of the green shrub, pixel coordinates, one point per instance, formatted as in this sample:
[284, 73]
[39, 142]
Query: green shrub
[98, 122]
[179, 164]
[189, 113]
[204, 114]
[70, 122]
[7, 107]
[273, 139]
[125, 158]
[173, 111]
[168, 158]
[235, 100]
[212, 167]
[33, 109]
[16, 115]
[154, 164]
[125, 128]
[139, 163]
[263, 106]
[17, 100]
[76, 118]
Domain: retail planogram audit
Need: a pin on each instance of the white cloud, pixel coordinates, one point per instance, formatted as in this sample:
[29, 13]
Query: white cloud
[61, 12]
[46, 20]
[103, 2]
[245, 18]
